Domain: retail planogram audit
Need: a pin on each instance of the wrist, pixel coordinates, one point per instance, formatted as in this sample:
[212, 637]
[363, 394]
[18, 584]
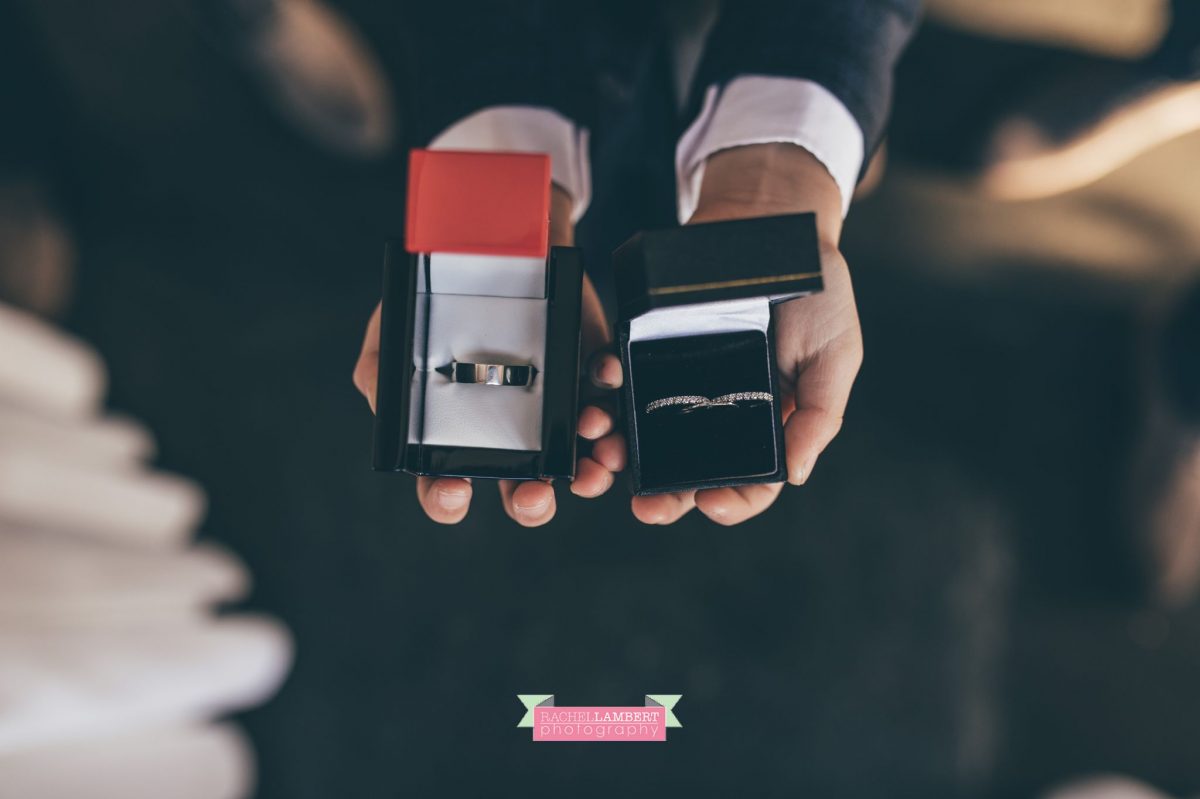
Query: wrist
[769, 179]
[562, 230]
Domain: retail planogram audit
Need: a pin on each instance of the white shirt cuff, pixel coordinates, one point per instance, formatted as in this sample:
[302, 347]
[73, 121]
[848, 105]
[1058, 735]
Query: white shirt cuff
[528, 129]
[760, 110]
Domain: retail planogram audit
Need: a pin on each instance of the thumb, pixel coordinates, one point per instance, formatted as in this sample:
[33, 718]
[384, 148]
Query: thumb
[822, 391]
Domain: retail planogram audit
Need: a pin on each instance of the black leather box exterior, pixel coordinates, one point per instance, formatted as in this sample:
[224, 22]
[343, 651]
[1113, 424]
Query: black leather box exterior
[560, 389]
[773, 257]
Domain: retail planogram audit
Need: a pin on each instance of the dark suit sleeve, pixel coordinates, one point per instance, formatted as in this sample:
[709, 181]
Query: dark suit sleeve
[848, 46]
[465, 55]
[30, 101]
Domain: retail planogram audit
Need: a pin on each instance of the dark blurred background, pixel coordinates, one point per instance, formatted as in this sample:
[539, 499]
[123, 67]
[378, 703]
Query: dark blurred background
[948, 608]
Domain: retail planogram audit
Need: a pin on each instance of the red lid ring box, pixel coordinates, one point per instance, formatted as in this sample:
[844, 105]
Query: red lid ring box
[475, 282]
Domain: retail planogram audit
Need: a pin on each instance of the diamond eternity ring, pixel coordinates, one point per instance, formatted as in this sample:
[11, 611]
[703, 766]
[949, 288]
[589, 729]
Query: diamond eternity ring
[686, 403]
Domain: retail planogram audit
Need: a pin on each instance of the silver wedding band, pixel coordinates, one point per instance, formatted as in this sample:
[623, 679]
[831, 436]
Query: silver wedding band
[490, 374]
[686, 403]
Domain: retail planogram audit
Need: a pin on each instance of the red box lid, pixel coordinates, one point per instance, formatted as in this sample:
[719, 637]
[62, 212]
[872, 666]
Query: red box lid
[478, 202]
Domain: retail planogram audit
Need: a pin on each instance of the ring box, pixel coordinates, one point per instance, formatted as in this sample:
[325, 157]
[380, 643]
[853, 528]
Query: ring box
[474, 281]
[694, 319]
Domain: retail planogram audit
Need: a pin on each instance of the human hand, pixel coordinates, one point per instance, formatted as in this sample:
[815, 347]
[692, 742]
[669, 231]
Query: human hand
[817, 339]
[530, 503]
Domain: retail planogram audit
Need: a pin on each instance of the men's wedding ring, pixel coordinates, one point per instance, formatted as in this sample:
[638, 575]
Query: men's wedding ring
[490, 374]
[686, 403]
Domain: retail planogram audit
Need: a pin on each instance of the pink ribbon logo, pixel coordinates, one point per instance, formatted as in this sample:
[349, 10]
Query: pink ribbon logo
[646, 723]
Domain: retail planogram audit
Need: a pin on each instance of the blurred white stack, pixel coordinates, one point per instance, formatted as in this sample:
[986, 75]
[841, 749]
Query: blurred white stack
[1107, 786]
[113, 662]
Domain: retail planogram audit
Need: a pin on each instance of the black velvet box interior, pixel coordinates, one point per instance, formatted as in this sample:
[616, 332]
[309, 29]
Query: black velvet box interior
[709, 289]
[401, 442]
[677, 448]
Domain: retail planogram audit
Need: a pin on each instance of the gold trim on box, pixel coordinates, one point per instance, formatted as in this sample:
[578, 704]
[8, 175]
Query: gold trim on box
[729, 284]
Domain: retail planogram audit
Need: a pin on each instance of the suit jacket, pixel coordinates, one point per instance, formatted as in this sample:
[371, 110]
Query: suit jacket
[464, 55]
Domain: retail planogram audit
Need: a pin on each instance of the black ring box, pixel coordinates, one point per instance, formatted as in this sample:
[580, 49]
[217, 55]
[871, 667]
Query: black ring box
[397, 414]
[694, 318]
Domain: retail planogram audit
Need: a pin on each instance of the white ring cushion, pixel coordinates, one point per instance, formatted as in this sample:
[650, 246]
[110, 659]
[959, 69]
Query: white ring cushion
[477, 328]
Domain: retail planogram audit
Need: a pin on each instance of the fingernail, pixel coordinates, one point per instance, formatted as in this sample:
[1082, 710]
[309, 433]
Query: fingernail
[653, 518]
[806, 468]
[533, 510]
[608, 481]
[598, 377]
[452, 500]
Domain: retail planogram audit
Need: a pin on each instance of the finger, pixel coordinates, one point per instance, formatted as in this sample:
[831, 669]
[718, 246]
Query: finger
[822, 391]
[604, 370]
[663, 508]
[528, 503]
[609, 452]
[591, 479]
[736, 505]
[366, 371]
[444, 499]
[594, 423]
[562, 229]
